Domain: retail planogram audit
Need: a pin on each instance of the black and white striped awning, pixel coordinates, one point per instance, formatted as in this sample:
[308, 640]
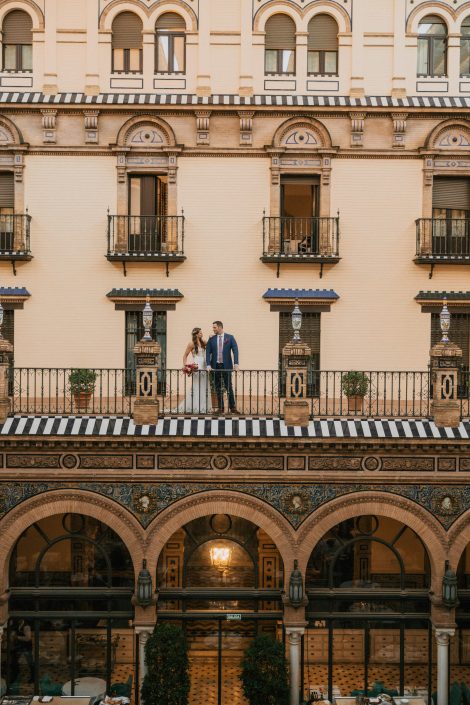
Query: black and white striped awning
[234, 427]
[445, 102]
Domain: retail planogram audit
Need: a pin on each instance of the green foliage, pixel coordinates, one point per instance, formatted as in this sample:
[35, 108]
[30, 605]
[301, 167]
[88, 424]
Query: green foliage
[264, 672]
[355, 384]
[82, 380]
[166, 655]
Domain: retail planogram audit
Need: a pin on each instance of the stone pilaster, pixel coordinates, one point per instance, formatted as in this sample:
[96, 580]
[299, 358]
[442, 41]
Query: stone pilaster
[296, 407]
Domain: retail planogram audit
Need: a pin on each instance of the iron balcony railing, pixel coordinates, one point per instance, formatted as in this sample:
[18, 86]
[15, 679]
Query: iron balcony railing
[15, 234]
[300, 238]
[160, 236]
[443, 238]
[371, 394]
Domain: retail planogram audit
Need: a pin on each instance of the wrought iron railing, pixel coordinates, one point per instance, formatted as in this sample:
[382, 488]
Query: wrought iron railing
[443, 237]
[15, 233]
[146, 235]
[300, 237]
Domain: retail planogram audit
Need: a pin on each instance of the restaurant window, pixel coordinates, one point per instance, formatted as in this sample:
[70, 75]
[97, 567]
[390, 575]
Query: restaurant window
[17, 41]
[432, 46]
[465, 48]
[310, 336]
[127, 43]
[451, 214]
[170, 43]
[280, 45]
[322, 46]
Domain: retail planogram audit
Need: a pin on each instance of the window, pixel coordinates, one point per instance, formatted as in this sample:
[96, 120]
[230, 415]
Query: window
[134, 333]
[432, 46]
[311, 336]
[148, 200]
[465, 48]
[323, 46]
[451, 214]
[127, 43]
[299, 211]
[7, 202]
[280, 45]
[170, 44]
[17, 41]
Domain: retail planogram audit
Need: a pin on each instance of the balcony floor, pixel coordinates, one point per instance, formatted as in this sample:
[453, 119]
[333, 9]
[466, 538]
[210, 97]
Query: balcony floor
[231, 427]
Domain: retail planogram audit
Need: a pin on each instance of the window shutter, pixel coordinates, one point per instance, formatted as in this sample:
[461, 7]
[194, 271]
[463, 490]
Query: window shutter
[459, 333]
[451, 193]
[280, 32]
[170, 22]
[7, 191]
[323, 33]
[127, 31]
[310, 331]
[17, 28]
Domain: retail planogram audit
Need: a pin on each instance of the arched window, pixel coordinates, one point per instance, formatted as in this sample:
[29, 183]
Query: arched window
[432, 46]
[280, 45]
[127, 43]
[465, 48]
[323, 45]
[17, 41]
[170, 44]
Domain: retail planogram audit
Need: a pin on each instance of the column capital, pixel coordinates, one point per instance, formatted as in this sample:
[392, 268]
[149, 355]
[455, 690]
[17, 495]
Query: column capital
[294, 634]
[443, 635]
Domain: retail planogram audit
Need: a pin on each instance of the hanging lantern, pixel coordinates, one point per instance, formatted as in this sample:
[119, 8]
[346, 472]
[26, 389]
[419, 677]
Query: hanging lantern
[296, 587]
[296, 317]
[449, 587]
[144, 586]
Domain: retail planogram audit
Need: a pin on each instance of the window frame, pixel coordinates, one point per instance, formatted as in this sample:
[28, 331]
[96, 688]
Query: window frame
[18, 58]
[279, 71]
[126, 61]
[171, 53]
[465, 37]
[322, 71]
[430, 39]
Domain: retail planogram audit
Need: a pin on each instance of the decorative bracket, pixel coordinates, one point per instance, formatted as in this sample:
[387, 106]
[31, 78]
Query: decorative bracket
[357, 129]
[49, 119]
[202, 126]
[246, 127]
[91, 126]
[399, 130]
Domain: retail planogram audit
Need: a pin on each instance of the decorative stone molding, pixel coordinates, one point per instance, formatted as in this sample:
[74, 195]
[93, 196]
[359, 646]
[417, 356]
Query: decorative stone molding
[202, 126]
[146, 132]
[399, 130]
[18, 161]
[49, 119]
[246, 127]
[450, 135]
[302, 133]
[91, 126]
[357, 129]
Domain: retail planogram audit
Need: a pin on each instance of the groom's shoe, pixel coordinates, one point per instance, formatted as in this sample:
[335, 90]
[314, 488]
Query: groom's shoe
[234, 411]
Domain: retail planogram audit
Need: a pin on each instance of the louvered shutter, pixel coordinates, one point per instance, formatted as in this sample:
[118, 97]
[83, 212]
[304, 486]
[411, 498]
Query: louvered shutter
[17, 28]
[451, 193]
[127, 31]
[310, 332]
[459, 333]
[323, 33]
[280, 32]
[170, 22]
[7, 191]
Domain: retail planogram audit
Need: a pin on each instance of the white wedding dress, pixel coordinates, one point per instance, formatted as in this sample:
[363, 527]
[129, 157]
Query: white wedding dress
[197, 399]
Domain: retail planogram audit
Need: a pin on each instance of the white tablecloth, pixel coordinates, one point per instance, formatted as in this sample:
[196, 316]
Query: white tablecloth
[85, 686]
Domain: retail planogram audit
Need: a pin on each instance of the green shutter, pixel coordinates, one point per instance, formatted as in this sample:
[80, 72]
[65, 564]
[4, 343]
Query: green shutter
[322, 33]
[17, 28]
[127, 31]
[451, 192]
[170, 22]
[280, 32]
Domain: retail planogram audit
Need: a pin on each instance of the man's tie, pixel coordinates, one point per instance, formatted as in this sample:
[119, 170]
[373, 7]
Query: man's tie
[219, 348]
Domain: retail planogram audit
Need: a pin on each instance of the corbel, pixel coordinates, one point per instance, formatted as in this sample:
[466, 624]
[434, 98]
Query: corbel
[18, 165]
[357, 129]
[202, 126]
[428, 170]
[49, 119]
[246, 126]
[326, 170]
[399, 130]
[91, 126]
[121, 166]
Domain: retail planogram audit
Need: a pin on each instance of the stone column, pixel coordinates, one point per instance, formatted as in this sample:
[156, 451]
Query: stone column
[143, 632]
[442, 641]
[294, 640]
[296, 408]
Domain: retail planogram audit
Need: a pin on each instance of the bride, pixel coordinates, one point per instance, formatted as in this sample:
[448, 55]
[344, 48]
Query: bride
[196, 385]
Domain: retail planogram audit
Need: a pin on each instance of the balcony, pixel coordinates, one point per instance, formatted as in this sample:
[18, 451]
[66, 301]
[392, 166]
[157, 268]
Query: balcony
[442, 241]
[296, 240]
[146, 238]
[15, 238]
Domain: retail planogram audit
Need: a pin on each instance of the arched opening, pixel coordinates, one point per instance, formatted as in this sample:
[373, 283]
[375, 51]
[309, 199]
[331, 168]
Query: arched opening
[279, 55]
[322, 44]
[459, 650]
[70, 613]
[465, 48]
[170, 45]
[432, 46]
[17, 41]
[220, 579]
[127, 43]
[369, 631]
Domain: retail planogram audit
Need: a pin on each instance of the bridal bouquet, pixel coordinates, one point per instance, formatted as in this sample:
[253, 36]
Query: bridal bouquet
[189, 369]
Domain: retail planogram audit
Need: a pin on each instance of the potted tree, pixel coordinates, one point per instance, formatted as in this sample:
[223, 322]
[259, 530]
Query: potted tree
[82, 385]
[355, 386]
[264, 672]
[166, 655]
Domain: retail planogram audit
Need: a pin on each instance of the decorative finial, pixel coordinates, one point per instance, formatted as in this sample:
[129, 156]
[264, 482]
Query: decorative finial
[444, 317]
[147, 317]
[296, 322]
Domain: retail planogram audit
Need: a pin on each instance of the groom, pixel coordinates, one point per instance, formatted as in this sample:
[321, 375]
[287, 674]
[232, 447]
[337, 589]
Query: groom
[220, 348]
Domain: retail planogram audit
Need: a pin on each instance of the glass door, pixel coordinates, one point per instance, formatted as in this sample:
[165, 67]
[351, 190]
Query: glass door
[299, 211]
[148, 197]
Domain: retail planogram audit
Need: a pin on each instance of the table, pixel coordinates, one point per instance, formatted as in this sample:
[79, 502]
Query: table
[85, 686]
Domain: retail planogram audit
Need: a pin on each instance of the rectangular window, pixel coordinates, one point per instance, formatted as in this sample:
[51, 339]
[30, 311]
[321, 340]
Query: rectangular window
[323, 63]
[127, 60]
[17, 57]
[134, 333]
[432, 58]
[311, 336]
[465, 57]
[423, 64]
[170, 53]
[279, 61]
[451, 215]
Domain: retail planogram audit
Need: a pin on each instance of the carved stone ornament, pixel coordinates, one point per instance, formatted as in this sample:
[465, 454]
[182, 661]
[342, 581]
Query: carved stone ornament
[146, 136]
[49, 119]
[144, 502]
[371, 463]
[446, 505]
[246, 127]
[399, 130]
[301, 137]
[456, 138]
[91, 126]
[69, 461]
[357, 129]
[220, 462]
[202, 126]
[297, 503]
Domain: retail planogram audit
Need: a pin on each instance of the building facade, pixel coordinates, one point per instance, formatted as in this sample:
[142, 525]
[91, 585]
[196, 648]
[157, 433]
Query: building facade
[225, 160]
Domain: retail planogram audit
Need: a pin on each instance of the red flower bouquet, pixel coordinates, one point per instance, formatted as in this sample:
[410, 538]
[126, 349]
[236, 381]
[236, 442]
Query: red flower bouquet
[189, 369]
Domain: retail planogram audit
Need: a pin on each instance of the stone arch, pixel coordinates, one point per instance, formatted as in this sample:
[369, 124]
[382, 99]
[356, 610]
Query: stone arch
[430, 531]
[202, 504]
[10, 135]
[53, 502]
[116, 7]
[462, 13]
[29, 6]
[458, 537]
[146, 132]
[277, 7]
[431, 8]
[450, 135]
[181, 8]
[328, 7]
[303, 133]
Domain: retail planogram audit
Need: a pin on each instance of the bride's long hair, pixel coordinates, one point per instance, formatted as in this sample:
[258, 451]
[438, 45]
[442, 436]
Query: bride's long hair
[196, 340]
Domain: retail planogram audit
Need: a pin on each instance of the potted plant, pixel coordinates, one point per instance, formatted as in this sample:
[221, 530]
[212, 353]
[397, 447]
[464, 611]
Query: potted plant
[264, 672]
[166, 655]
[82, 385]
[355, 386]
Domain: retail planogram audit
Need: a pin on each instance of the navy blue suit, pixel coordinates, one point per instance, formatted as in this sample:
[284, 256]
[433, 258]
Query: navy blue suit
[223, 378]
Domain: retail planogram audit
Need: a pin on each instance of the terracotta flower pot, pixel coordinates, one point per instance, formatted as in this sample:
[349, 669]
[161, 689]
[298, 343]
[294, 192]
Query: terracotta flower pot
[82, 400]
[355, 404]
